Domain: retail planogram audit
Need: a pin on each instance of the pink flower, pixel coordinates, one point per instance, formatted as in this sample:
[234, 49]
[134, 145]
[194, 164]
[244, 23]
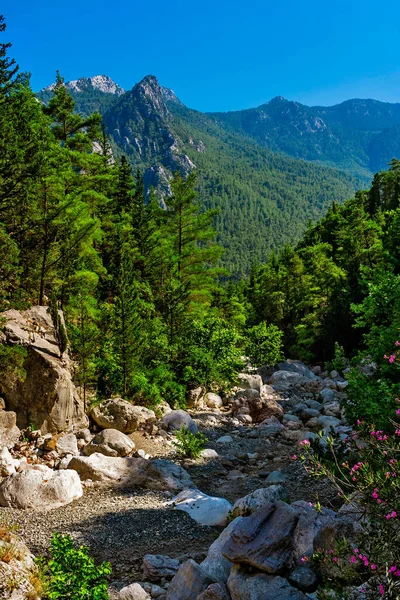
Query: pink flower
[381, 589]
[394, 514]
[397, 343]
[392, 569]
[353, 559]
[373, 567]
[392, 358]
[294, 457]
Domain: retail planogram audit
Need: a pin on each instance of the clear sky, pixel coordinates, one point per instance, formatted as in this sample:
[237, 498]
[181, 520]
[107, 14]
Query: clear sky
[216, 54]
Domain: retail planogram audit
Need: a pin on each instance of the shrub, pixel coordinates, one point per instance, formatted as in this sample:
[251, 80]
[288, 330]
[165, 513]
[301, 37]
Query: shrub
[189, 445]
[338, 363]
[365, 470]
[71, 574]
[264, 344]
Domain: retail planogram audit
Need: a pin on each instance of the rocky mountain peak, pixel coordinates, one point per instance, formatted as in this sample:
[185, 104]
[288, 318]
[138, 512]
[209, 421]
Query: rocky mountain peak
[149, 94]
[103, 83]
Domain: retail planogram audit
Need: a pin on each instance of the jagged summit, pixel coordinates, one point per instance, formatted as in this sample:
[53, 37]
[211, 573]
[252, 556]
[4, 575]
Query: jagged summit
[103, 83]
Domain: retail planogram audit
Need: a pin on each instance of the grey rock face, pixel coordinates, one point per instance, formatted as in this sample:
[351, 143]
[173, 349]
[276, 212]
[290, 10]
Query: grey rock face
[303, 579]
[47, 398]
[9, 432]
[215, 591]
[67, 444]
[243, 586]
[252, 502]
[190, 581]
[296, 366]
[116, 413]
[264, 540]
[157, 567]
[177, 419]
[215, 564]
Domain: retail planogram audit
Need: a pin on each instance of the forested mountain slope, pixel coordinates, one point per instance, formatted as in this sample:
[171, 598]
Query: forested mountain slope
[266, 199]
[351, 135]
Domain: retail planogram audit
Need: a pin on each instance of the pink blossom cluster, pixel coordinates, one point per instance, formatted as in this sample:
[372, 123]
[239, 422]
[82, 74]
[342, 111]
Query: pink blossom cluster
[379, 435]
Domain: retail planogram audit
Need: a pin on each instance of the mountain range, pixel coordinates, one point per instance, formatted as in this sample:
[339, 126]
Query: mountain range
[270, 170]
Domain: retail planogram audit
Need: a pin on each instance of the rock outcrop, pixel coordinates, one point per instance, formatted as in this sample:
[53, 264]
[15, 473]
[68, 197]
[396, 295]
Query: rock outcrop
[47, 398]
[117, 413]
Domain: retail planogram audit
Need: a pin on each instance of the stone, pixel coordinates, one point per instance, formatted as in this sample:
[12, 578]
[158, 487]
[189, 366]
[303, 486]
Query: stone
[126, 472]
[333, 409]
[276, 477]
[133, 592]
[85, 435]
[67, 444]
[17, 575]
[314, 404]
[215, 564]
[288, 417]
[7, 463]
[176, 419]
[215, 591]
[342, 385]
[158, 566]
[296, 366]
[310, 523]
[309, 413]
[190, 581]
[270, 430]
[252, 502]
[327, 395]
[225, 439]
[333, 374]
[304, 579]
[195, 397]
[110, 442]
[245, 586]
[213, 400]
[204, 509]
[47, 398]
[264, 539]
[316, 370]
[116, 413]
[284, 380]
[9, 432]
[328, 422]
[247, 381]
[40, 487]
[209, 453]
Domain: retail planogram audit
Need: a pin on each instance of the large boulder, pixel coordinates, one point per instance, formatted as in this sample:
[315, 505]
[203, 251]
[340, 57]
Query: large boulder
[110, 442]
[67, 444]
[133, 592]
[9, 432]
[213, 400]
[158, 566]
[215, 564]
[40, 487]
[8, 464]
[206, 510]
[177, 419]
[190, 581]
[47, 398]
[252, 502]
[248, 380]
[215, 591]
[116, 413]
[296, 366]
[18, 572]
[163, 475]
[264, 540]
[246, 586]
[284, 380]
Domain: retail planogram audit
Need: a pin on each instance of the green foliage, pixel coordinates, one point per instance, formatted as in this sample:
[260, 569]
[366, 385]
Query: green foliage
[158, 385]
[364, 469]
[264, 344]
[189, 445]
[71, 574]
[12, 362]
[338, 363]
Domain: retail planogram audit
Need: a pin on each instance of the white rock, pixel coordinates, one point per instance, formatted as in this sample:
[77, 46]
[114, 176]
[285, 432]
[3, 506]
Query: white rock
[204, 509]
[67, 444]
[133, 592]
[7, 463]
[213, 400]
[209, 453]
[40, 487]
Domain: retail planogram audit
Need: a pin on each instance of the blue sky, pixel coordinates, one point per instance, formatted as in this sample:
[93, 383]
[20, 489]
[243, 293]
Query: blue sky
[215, 54]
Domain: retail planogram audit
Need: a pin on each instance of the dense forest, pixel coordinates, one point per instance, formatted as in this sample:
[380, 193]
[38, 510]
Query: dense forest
[150, 309]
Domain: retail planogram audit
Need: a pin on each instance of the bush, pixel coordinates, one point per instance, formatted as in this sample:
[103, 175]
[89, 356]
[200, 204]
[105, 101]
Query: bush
[338, 362]
[153, 386]
[364, 468]
[189, 445]
[71, 574]
[264, 344]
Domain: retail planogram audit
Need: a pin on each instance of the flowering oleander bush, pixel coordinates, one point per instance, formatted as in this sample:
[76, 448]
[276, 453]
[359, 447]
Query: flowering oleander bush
[365, 468]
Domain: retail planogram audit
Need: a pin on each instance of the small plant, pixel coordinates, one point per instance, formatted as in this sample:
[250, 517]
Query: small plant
[338, 362]
[189, 445]
[71, 574]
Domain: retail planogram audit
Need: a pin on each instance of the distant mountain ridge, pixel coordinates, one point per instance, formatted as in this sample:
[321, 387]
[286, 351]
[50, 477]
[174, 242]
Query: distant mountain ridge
[265, 197]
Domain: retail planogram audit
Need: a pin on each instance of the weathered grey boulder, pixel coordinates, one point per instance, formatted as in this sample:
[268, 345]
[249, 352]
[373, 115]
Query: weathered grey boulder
[204, 509]
[116, 413]
[163, 475]
[328, 422]
[190, 581]
[310, 523]
[157, 567]
[215, 591]
[304, 579]
[67, 444]
[296, 366]
[40, 487]
[252, 502]
[133, 592]
[215, 564]
[9, 432]
[245, 586]
[177, 419]
[327, 395]
[264, 539]
[18, 574]
[284, 380]
[110, 442]
[247, 380]
[276, 477]
[213, 400]
[47, 398]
